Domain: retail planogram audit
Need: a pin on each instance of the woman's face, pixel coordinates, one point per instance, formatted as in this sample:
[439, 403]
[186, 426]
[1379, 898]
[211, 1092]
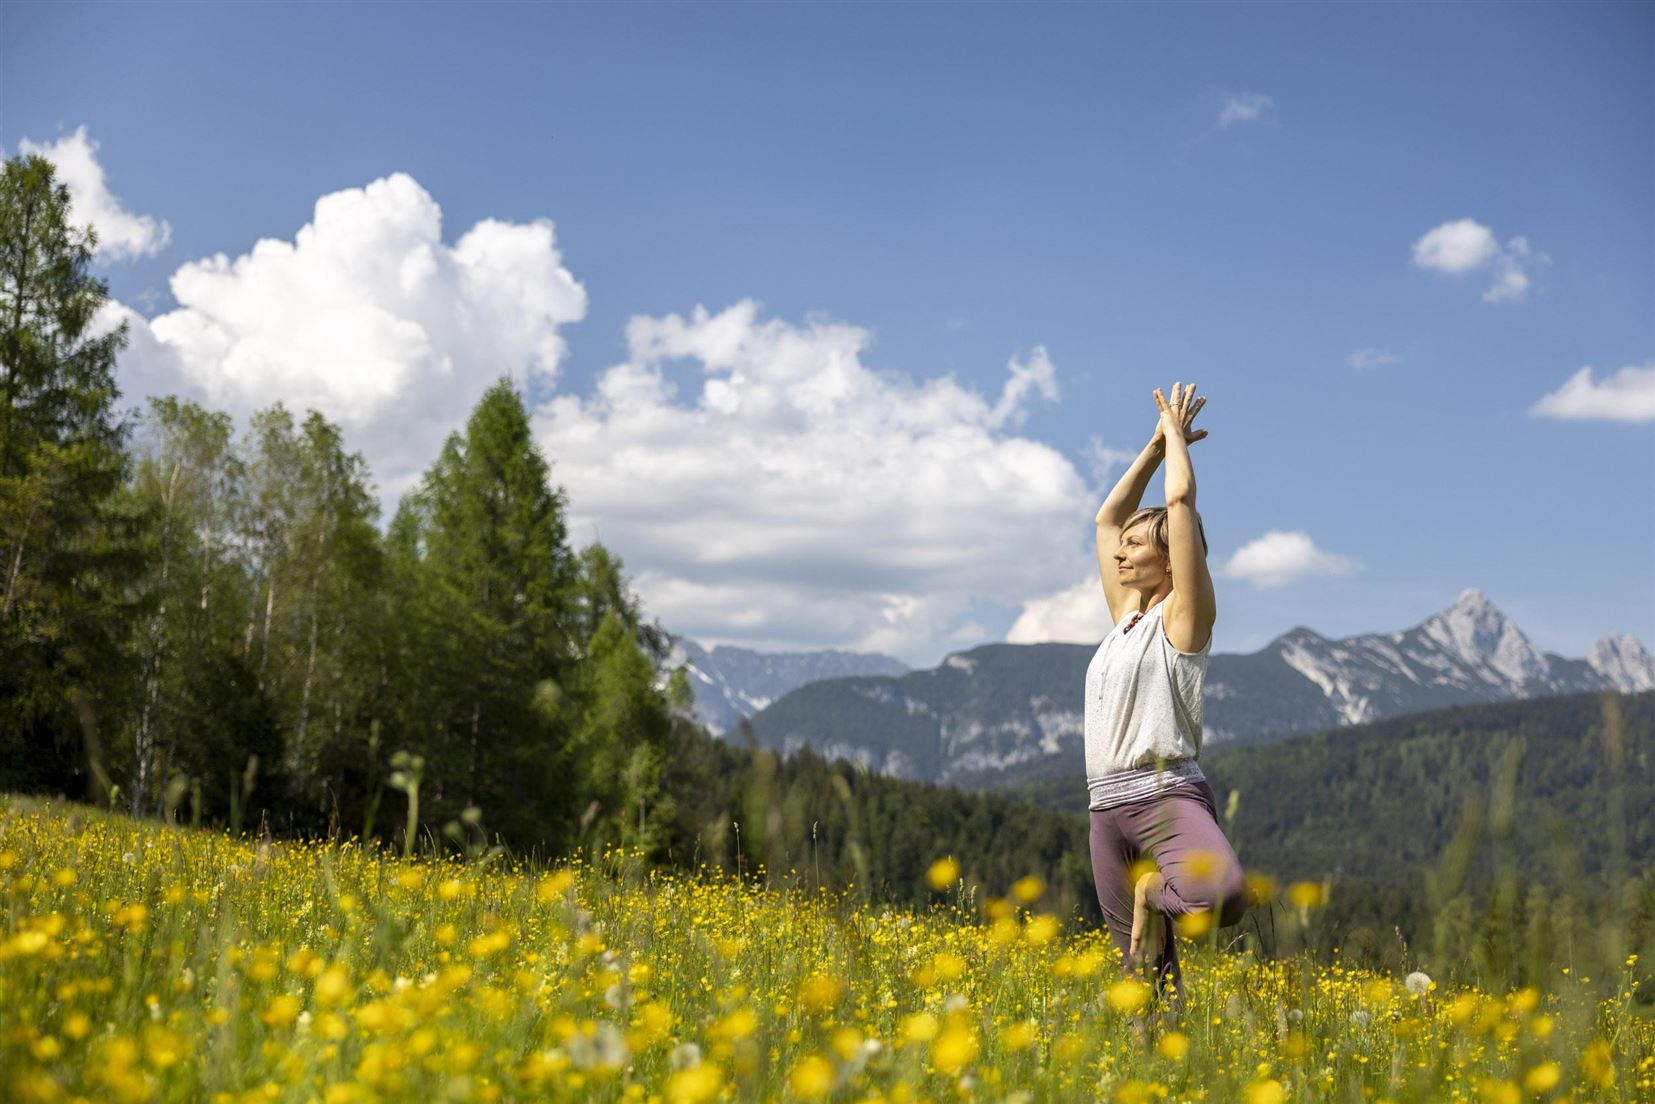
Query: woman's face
[1137, 562]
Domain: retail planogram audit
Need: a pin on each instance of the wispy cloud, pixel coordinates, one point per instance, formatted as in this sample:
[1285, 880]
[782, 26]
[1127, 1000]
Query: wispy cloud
[1279, 557]
[1626, 396]
[1248, 108]
[1466, 245]
[1033, 375]
[1101, 461]
[121, 234]
[1371, 357]
[1511, 275]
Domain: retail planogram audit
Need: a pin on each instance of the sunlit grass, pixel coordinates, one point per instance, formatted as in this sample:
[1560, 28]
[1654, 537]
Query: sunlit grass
[139, 962]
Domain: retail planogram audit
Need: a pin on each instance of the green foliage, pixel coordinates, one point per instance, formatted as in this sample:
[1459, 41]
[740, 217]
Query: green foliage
[68, 548]
[619, 740]
[483, 587]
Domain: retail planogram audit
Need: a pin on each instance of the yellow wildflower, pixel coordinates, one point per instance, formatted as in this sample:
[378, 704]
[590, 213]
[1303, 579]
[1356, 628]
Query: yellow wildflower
[943, 873]
[812, 1077]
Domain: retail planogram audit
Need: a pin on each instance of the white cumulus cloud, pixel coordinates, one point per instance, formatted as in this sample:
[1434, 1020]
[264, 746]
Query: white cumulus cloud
[1456, 247]
[121, 233]
[1077, 615]
[768, 488]
[1466, 245]
[1247, 108]
[1278, 558]
[1626, 396]
[368, 316]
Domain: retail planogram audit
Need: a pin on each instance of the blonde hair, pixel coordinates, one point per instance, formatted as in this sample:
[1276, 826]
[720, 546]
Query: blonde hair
[1157, 518]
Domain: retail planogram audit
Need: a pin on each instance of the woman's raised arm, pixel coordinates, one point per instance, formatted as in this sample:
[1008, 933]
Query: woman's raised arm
[1192, 607]
[1123, 502]
[1120, 505]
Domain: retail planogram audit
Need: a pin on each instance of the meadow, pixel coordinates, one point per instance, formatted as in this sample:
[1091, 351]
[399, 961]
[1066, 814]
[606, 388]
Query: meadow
[141, 961]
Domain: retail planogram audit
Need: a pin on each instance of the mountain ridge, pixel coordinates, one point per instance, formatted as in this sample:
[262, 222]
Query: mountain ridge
[995, 706]
[730, 684]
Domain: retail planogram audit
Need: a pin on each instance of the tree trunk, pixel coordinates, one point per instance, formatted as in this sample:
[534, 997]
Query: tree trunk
[145, 750]
[12, 370]
[301, 747]
[16, 563]
[476, 750]
[269, 612]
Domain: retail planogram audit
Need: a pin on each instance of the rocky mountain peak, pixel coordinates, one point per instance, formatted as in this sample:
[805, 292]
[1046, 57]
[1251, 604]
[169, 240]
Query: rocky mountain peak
[1475, 631]
[1622, 659]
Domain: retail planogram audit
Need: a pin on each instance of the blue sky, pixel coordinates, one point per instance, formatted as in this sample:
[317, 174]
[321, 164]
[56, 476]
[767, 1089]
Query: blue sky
[891, 211]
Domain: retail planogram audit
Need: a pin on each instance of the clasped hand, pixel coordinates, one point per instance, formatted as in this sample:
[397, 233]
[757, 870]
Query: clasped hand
[1177, 414]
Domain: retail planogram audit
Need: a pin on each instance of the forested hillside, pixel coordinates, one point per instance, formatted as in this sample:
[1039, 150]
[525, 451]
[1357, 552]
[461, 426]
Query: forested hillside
[1538, 808]
[209, 623]
[810, 822]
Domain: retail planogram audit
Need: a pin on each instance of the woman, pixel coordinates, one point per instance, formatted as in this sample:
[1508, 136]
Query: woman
[1143, 711]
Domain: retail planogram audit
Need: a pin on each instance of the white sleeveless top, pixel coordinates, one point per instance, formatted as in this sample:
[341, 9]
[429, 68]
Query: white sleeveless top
[1143, 712]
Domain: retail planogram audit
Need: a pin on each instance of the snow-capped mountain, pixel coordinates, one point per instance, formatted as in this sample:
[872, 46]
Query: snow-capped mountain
[733, 683]
[996, 707]
[1470, 652]
[1622, 660]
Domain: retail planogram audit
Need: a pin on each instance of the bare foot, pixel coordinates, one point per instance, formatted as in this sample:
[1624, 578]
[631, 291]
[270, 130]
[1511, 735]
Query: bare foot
[1148, 926]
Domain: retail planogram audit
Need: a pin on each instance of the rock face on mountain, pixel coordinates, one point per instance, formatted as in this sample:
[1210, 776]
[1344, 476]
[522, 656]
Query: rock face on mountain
[999, 706]
[733, 683]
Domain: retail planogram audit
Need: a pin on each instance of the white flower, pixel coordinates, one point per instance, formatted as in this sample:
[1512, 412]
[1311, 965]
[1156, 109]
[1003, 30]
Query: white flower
[1295, 1015]
[605, 1049]
[1359, 1018]
[685, 1056]
[956, 1002]
[1417, 983]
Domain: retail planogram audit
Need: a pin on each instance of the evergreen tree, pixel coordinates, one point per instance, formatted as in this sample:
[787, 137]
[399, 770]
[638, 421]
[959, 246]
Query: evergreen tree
[67, 550]
[601, 591]
[620, 738]
[486, 576]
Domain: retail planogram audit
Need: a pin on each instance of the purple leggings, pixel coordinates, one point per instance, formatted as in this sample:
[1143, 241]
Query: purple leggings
[1179, 830]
